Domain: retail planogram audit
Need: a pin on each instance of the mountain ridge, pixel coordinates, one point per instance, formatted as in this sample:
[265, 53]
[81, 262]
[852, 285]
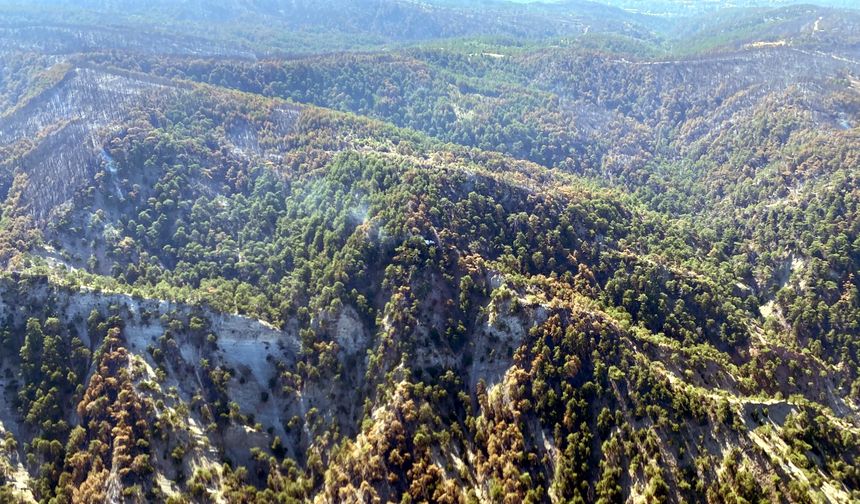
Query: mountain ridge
[470, 270]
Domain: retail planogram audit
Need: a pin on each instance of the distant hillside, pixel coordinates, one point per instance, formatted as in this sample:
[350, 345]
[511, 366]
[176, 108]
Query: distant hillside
[687, 8]
[265, 26]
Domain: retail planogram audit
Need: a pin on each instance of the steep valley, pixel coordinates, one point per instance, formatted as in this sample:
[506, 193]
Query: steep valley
[481, 264]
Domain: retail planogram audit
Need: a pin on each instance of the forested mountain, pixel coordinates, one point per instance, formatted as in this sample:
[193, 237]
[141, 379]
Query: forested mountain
[390, 251]
[287, 27]
[686, 8]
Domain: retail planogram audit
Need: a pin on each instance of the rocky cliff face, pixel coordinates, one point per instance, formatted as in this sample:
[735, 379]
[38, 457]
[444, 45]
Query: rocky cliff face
[250, 351]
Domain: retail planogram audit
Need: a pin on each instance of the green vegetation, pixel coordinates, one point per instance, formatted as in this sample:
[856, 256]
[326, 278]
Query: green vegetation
[472, 270]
